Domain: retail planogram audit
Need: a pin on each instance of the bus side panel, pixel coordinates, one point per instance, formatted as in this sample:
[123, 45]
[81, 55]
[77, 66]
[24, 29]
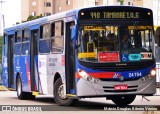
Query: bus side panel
[55, 65]
[4, 71]
[42, 67]
[36, 76]
[5, 63]
[48, 66]
[22, 66]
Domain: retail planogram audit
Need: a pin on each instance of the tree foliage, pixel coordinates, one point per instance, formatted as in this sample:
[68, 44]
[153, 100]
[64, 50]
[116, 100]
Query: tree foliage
[30, 18]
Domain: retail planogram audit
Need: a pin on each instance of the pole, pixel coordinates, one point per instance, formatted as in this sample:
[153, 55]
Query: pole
[1, 18]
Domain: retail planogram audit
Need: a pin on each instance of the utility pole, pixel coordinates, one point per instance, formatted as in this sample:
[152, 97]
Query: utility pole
[1, 29]
[1, 18]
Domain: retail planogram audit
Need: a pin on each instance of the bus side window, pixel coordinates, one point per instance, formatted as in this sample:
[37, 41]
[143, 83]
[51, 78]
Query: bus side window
[25, 42]
[57, 37]
[52, 30]
[18, 38]
[44, 42]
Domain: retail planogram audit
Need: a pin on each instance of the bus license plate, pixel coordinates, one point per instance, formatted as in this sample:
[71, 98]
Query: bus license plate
[120, 87]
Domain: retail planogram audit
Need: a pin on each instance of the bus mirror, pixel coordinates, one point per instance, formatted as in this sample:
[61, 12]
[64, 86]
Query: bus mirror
[73, 33]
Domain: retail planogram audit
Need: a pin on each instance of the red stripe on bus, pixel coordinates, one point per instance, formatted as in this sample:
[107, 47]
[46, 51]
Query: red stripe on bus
[99, 75]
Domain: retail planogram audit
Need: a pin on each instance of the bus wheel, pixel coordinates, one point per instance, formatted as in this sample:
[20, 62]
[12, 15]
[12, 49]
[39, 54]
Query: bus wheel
[20, 94]
[59, 94]
[123, 100]
[23, 95]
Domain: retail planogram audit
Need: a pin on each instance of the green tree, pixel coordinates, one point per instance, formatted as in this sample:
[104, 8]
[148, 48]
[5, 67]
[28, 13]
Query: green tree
[30, 18]
[34, 17]
[121, 2]
[17, 23]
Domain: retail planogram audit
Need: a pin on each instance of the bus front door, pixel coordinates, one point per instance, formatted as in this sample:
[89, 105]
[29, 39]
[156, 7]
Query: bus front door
[70, 61]
[34, 60]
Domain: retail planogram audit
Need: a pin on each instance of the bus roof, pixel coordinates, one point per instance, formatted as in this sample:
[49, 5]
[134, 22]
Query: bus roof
[43, 20]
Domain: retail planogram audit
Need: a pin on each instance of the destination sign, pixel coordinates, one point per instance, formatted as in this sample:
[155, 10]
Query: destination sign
[115, 13]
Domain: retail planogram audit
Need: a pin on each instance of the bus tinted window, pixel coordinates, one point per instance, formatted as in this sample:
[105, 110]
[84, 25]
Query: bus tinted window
[5, 38]
[45, 31]
[18, 36]
[17, 49]
[44, 46]
[99, 38]
[57, 40]
[44, 42]
[25, 42]
[114, 43]
[25, 35]
[52, 29]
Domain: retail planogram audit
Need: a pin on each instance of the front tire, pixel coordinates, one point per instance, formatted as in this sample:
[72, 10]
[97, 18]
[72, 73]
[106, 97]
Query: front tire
[23, 95]
[59, 94]
[123, 100]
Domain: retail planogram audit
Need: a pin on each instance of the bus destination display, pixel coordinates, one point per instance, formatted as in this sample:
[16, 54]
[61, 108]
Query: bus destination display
[114, 15]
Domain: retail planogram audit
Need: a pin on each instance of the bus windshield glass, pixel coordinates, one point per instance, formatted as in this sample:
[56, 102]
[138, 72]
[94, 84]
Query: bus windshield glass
[115, 43]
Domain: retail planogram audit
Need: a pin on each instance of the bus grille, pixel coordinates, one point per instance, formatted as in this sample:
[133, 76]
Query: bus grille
[127, 68]
[113, 79]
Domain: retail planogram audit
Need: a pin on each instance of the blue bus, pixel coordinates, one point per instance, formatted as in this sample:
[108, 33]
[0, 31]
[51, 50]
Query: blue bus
[104, 51]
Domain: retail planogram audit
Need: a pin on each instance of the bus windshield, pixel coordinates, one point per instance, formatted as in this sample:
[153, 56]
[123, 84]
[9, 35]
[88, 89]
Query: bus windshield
[115, 43]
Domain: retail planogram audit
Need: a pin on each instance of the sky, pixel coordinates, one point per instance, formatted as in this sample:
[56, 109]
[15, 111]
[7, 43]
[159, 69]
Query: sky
[12, 12]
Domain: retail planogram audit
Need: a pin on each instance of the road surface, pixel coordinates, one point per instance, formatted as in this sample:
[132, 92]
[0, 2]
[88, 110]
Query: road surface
[83, 106]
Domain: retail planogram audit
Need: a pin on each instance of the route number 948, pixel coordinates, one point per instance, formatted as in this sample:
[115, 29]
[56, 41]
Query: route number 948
[135, 74]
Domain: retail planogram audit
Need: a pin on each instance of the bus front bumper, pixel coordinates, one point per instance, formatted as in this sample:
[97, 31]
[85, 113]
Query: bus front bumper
[105, 88]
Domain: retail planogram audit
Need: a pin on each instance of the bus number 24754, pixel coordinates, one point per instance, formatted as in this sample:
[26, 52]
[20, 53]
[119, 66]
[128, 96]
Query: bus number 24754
[135, 74]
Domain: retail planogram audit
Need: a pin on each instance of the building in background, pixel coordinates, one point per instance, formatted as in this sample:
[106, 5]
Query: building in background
[143, 3]
[36, 7]
[24, 9]
[152, 4]
[48, 7]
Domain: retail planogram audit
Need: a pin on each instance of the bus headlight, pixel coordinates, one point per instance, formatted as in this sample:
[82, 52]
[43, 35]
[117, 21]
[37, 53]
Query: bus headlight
[87, 77]
[145, 78]
[82, 73]
[153, 72]
[96, 80]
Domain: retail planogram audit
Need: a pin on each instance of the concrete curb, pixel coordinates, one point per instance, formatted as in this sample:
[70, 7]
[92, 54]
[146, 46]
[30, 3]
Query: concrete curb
[2, 88]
